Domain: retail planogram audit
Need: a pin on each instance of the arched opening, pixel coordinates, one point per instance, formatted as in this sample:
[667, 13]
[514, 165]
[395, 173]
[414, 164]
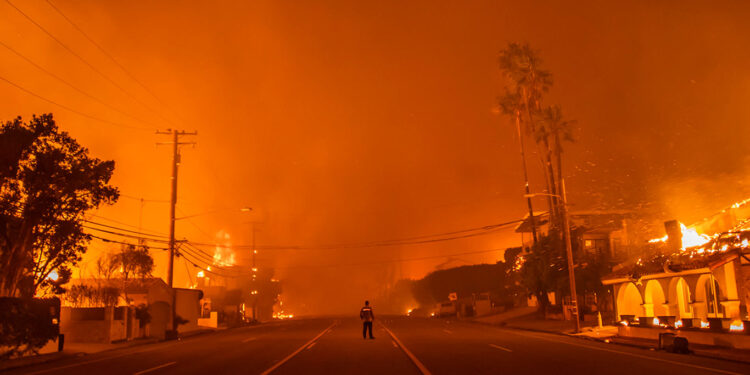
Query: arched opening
[708, 297]
[654, 298]
[680, 298]
[629, 301]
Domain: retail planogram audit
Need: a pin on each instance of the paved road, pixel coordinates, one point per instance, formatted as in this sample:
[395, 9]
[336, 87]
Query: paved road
[401, 346]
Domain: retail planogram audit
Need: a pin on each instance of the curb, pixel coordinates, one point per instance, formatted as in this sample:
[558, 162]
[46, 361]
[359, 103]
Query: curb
[632, 345]
[57, 356]
[34, 360]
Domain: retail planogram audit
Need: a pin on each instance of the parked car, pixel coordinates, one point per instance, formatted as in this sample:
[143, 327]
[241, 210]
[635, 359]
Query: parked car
[447, 308]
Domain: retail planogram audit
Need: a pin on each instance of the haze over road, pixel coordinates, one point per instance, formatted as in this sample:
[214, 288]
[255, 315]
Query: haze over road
[401, 346]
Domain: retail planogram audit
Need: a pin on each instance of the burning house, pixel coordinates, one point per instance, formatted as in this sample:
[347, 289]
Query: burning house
[690, 279]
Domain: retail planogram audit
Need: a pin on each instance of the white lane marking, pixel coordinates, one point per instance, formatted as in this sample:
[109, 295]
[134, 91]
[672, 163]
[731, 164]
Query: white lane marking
[301, 348]
[394, 343]
[154, 368]
[634, 355]
[249, 339]
[447, 331]
[311, 345]
[411, 356]
[501, 348]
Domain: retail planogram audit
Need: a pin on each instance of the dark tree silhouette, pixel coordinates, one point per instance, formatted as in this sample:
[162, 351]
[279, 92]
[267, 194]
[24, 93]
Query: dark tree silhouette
[47, 182]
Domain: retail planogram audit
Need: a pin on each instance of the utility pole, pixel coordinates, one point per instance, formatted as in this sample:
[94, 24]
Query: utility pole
[569, 251]
[176, 134]
[255, 275]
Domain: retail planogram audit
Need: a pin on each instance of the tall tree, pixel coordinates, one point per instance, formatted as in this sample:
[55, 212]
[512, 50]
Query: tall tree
[512, 105]
[47, 182]
[522, 66]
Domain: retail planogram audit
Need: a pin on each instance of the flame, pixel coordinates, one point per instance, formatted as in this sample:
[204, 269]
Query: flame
[656, 321]
[518, 264]
[223, 253]
[704, 324]
[625, 323]
[53, 276]
[690, 238]
[737, 326]
[201, 274]
[678, 324]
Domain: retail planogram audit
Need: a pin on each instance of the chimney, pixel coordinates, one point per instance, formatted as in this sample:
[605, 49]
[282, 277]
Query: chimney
[674, 235]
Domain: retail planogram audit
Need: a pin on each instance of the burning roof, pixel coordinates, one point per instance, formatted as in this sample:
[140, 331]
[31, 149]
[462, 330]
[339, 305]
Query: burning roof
[697, 250]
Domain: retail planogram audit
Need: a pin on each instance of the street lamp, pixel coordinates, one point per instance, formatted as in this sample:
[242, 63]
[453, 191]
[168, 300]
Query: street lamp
[568, 250]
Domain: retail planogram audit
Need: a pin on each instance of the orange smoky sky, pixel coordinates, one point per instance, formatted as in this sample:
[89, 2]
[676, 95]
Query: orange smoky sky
[350, 122]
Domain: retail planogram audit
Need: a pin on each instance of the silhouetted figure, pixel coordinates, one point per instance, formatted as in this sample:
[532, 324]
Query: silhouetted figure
[367, 317]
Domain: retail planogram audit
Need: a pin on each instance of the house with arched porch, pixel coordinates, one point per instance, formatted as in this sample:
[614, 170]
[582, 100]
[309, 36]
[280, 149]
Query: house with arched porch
[706, 292]
[687, 279]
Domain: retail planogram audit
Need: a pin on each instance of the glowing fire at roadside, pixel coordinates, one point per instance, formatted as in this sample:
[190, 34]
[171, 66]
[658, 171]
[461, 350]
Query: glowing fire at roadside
[678, 324]
[704, 324]
[656, 321]
[737, 326]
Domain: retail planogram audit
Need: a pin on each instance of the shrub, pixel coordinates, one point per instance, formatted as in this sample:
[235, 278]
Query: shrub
[27, 324]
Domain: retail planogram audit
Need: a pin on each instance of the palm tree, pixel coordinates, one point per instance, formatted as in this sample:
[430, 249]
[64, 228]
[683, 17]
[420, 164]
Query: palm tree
[522, 65]
[560, 130]
[512, 105]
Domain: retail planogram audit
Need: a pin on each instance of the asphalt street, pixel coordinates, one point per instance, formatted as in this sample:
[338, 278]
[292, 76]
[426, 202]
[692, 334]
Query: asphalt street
[401, 346]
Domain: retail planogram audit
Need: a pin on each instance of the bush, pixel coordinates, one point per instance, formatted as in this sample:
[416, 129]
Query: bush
[27, 324]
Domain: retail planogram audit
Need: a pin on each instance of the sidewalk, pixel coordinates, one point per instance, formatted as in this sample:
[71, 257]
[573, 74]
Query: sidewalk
[608, 334]
[49, 352]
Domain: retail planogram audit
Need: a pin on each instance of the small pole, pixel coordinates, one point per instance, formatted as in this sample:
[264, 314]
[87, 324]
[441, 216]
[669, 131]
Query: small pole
[571, 264]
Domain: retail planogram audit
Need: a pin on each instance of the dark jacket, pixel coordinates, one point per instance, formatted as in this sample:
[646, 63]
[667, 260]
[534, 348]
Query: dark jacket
[366, 314]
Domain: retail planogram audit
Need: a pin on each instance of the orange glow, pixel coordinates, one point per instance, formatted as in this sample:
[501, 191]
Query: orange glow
[690, 238]
[656, 321]
[678, 324]
[53, 276]
[704, 324]
[737, 326]
[223, 253]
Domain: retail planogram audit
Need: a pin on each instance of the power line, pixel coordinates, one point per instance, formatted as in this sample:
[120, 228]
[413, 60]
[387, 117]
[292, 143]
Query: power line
[125, 235]
[110, 57]
[124, 230]
[195, 262]
[143, 199]
[485, 230]
[69, 108]
[121, 242]
[92, 67]
[392, 260]
[123, 223]
[84, 93]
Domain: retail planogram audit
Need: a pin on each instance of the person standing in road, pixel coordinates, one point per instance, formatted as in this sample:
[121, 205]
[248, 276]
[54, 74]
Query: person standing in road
[367, 317]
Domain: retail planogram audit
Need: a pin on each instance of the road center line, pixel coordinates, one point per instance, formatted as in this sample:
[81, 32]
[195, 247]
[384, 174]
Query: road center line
[301, 348]
[409, 354]
[154, 368]
[394, 344]
[501, 348]
[311, 345]
[249, 339]
[634, 355]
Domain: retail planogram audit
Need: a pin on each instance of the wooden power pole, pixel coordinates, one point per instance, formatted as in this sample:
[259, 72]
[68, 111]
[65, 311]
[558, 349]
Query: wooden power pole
[176, 134]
